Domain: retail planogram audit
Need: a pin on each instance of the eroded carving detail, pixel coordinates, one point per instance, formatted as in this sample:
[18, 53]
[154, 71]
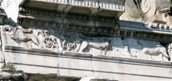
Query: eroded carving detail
[155, 51]
[59, 40]
[21, 34]
[103, 46]
[69, 45]
[49, 40]
[169, 50]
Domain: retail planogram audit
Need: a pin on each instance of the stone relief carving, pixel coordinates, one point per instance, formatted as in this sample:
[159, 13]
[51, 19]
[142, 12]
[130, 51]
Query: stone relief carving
[69, 45]
[127, 50]
[25, 35]
[103, 46]
[49, 40]
[155, 51]
[58, 40]
[169, 50]
[21, 34]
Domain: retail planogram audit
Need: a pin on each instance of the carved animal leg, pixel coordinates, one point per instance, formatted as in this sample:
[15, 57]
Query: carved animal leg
[59, 45]
[83, 46]
[105, 51]
[170, 55]
[165, 56]
[164, 53]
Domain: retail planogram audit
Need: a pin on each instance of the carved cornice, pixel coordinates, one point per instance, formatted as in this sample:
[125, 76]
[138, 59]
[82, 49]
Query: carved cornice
[120, 32]
[88, 20]
[103, 4]
[146, 27]
[91, 7]
[26, 22]
[32, 17]
[26, 11]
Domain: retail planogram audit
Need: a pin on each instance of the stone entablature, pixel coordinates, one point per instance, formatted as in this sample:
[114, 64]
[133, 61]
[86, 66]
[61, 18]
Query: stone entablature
[76, 42]
[127, 32]
[98, 25]
[112, 8]
[70, 38]
[92, 21]
[70, 64]
[26, 11]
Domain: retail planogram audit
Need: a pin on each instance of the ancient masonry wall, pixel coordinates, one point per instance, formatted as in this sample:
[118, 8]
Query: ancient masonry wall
[83, 38]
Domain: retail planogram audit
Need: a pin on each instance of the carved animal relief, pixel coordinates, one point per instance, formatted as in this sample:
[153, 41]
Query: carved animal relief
[156, 51]
[78, 42]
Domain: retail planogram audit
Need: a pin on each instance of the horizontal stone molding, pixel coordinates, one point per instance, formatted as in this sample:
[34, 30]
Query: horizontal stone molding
[34, 51]
[123, 30]
[146, 27]
[72, 64]
[77, 55]
[98, 25]
[104, 4]
[113, 8]
[63, 25]
[93, 20]
[87, 70]
[33, 12]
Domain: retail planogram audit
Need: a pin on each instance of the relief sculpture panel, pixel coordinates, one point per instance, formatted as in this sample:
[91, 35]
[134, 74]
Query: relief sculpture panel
[61, 40]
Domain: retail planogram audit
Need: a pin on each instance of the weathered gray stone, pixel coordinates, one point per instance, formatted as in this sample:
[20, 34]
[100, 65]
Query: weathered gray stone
[69, 38]
[71, 65]
[100, 67]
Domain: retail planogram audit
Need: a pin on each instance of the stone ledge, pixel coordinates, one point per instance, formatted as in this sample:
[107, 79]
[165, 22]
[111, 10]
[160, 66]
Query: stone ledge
[32, 51]
[90, 7]
[84, 56]
[133, 61]
[77, 70]
[146, 27]
[86, 65]
[76, 54]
